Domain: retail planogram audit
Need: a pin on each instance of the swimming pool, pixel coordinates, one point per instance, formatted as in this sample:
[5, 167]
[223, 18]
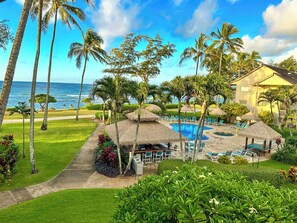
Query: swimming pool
[189, 130]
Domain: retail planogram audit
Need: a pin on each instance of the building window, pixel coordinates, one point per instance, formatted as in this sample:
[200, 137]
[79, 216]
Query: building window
[243, 102]
[244, 89]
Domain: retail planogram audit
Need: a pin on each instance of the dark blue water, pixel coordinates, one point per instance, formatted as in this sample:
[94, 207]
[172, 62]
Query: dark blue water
[189, 130]
[66, 94]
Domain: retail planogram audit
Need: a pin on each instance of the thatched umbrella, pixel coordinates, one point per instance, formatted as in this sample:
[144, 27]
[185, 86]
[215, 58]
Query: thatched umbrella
[153, 107]
[260, 130]
[217, 112]
[149, 133]
[249, 116]
[145, 116]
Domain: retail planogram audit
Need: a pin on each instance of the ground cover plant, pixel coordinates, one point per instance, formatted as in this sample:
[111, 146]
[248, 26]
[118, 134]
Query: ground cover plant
[261, 173]
[9, 154]
[84, 205]
[287, 153]
[201, 194]
[54, 149]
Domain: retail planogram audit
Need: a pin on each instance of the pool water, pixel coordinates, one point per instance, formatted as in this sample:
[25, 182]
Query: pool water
[189, 130]
[223, 133]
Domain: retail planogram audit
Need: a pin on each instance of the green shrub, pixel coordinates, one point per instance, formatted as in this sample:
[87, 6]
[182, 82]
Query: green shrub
[171, 106]
[195, 194]
[99, 115]
[95, 107]
[287, 153]
[266, 117]
[240, 160]
[129, 107]
[9, 153]
[234, 110]
[224, 159]
[261, 173]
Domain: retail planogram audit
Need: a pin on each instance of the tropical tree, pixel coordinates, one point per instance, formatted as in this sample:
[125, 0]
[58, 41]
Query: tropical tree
[254, 59]
[92, 47]
[197, 52]
[289, 64]
[41, 100]
[270, 96]
[176, 88]
[66, 12]
[288, 96]
[223, 41]
[6, 86]
[5, 34]
[24, 110]
[147, 66]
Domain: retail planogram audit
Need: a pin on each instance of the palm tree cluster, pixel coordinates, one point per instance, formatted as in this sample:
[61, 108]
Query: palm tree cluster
[222, 48]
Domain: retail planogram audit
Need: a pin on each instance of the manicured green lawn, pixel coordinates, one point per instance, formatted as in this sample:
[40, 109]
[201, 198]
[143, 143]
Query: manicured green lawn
[275, 165]
[84, 205]
[54, 149]
[56, 113]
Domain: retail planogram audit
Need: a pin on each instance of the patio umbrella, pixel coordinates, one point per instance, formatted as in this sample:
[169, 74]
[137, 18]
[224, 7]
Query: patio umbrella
[249, 116]
[260, 130]
[145, 116]
[153, 107]
[217, 112]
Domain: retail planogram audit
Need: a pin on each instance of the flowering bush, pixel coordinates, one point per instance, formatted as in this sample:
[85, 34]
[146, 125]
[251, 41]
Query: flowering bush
[195, 194]
[292, 174]
[9, 152]
[109, 156]
[224, 159]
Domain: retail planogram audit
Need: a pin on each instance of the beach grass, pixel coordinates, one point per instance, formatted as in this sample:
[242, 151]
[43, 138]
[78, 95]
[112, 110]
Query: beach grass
[54, 113]
[83, 205]
[54, 149]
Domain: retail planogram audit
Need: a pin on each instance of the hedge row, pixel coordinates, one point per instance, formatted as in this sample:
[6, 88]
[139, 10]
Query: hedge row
[252, 173]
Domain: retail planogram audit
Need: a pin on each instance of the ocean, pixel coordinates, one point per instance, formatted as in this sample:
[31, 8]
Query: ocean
[66, 94]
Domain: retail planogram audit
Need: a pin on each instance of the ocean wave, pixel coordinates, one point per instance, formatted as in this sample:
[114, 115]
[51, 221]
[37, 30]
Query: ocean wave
[76, 95]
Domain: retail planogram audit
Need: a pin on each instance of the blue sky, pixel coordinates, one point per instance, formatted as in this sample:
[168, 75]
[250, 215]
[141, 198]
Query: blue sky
[268, 27]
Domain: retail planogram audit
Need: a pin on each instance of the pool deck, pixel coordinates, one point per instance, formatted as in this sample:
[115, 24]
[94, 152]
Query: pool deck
[217, 143]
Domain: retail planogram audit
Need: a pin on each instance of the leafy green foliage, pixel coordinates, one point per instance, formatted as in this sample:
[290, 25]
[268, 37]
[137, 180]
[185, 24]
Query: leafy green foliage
[41, 99]
[287, 153]
[95, 107]
[234, 110]
[9, 153]
[5, 34]
[266, 117]
[262, 173]
[195, 194]
[240, 160]
[224, 160]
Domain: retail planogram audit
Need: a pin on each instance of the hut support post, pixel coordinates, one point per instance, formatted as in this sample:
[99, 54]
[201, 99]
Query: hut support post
[246, 142]
[264, 147]
[253, 140]
[270, 144]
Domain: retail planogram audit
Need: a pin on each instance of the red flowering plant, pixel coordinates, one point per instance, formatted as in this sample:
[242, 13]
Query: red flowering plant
[278, 142]
[292, 174]
[109, 156]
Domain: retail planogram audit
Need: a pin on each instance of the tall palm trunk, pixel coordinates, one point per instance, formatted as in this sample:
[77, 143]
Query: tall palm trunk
[24, 156]
[179, 131]
[272, 113]
[6, 87]
[135, 140]
[197, 65]
[117, 136]
[104, 113]
[197, 131]
[33, 88]
[220, 66]
[81, 86]
[44, 122]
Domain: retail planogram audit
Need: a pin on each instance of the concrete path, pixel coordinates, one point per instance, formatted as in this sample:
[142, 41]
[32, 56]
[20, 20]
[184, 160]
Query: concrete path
[80, 173]
[49, 119]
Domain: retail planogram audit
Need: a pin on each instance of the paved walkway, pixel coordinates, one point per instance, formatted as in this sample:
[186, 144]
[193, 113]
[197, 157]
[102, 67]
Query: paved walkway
[80, 173]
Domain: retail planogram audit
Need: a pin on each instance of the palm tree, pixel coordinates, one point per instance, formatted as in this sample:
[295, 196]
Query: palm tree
[23, 109]
[65, 10]
[197, 52]
[91, 47]
[270, 96]
[36, 9]
[253, 59]
[6, 87]
[176, 88]
[97, 92]
[223, 41]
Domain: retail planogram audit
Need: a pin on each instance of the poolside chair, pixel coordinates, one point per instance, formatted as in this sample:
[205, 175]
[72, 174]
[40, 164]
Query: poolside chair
[212, 156]
[172, 118]
[189, 119]
[221, 122]
[148, 157]
[247, 125]
[194, 119]
[242, 125]
[168, 154]
[213, 121]
[237, 125]
[158, 156]
[182, 118]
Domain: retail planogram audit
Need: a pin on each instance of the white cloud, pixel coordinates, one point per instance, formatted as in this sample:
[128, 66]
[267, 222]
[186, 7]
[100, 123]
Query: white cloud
[282, 57]
[177, 2]
[265, 45]
[20, 1]
[232, 1]
[281, 32]
[281, 20]
[115, 18]
[202, 19]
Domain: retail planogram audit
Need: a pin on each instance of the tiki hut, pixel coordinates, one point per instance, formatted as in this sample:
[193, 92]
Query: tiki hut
[249, 117]
[261, 131]
[217, 112]
[153, 107]
[150, 130]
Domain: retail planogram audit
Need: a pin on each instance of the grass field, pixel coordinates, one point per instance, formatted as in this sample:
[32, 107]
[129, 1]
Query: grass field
[84, 205]
[54, 149]
[56, 113]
